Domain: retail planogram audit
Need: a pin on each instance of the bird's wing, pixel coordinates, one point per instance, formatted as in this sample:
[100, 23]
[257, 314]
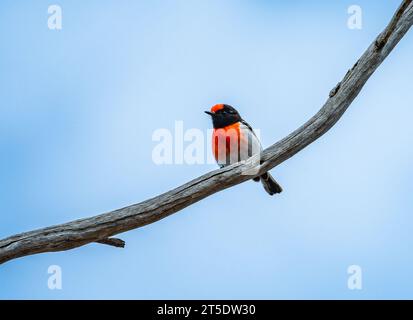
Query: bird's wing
[250, 144]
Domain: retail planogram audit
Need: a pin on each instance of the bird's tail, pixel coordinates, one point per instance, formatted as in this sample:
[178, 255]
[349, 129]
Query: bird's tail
[270, 185]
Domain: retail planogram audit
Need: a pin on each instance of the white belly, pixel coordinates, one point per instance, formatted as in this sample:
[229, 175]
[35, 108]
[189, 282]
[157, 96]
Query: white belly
[249, 144]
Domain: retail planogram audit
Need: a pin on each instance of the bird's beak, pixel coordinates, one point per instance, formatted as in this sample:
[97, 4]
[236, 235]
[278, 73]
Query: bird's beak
[210, 113]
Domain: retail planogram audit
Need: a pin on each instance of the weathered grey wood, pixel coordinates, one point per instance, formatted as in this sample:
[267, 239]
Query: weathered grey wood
[114, 242]
[100, 228]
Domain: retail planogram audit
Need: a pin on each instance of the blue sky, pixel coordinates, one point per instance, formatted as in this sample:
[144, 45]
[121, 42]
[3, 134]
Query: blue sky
[80, 105]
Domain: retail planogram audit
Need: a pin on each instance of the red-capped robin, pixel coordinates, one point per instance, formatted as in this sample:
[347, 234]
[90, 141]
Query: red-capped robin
[234, 140]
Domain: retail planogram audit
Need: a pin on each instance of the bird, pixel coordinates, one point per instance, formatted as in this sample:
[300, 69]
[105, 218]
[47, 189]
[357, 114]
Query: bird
[234, 140]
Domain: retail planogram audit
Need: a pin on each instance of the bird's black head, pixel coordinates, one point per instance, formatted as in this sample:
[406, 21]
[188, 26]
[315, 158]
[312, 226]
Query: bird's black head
[223, 115]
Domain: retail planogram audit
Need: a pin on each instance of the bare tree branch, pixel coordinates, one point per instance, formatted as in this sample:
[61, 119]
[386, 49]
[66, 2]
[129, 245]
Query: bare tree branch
[99, 228]
[114, 242]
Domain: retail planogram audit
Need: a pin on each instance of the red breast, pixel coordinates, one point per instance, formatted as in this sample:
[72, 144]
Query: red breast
[225, 141]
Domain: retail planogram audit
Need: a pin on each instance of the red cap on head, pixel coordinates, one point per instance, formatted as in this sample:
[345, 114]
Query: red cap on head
[217, 107]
